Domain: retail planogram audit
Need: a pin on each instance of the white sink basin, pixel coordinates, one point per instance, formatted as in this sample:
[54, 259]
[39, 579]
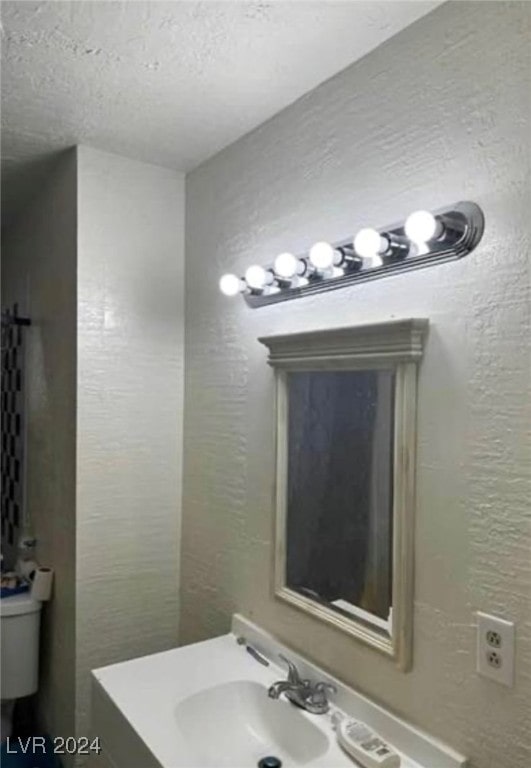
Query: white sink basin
[237, 724]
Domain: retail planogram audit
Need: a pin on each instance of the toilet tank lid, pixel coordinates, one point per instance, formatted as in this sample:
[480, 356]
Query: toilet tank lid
[18, 605]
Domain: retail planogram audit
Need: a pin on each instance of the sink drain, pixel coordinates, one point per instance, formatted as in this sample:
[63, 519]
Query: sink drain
[270, 762]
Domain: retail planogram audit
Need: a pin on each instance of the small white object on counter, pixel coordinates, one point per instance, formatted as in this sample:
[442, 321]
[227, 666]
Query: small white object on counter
[365, 746]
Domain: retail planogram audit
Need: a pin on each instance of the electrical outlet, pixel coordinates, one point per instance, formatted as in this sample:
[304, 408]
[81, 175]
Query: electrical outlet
[493, 638]
[495, 648]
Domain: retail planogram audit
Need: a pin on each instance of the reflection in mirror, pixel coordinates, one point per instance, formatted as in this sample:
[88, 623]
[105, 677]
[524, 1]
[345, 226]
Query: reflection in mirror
[339, 491]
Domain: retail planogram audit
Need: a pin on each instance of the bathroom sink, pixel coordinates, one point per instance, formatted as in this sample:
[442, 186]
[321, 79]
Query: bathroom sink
[236, 724]
[206, 705]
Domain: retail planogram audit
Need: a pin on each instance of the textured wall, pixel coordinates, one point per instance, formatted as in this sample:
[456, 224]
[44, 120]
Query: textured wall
[129, 410]
[437, 114]
[39, 271]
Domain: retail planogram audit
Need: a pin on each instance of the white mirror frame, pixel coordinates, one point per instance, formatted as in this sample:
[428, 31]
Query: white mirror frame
[397, 344]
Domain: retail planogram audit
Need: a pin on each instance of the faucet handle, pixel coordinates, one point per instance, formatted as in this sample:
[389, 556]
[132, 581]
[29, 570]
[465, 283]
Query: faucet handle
[321, 691]
[330, 687]
[293, 672]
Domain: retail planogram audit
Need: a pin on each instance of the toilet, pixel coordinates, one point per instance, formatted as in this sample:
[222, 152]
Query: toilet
[20, 622]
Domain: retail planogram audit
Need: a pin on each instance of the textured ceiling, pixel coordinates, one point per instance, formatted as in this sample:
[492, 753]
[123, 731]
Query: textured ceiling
[167, 82]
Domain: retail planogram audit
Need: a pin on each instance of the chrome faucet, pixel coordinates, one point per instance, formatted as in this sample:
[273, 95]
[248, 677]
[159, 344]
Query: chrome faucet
[303, 693]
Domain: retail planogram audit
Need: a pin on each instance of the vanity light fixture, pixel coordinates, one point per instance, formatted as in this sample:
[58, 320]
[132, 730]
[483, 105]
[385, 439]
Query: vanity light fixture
[287, 266]
[231, 285]
[258, 278]
[370, 244]
[330, 261]
[423, 226]
[323, 256]
[424, 239]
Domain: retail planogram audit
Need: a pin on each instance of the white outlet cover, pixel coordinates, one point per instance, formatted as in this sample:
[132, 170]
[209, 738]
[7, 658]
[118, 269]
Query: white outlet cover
[504, 673]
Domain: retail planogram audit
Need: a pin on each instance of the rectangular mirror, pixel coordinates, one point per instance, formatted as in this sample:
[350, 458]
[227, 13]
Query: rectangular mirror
[345, 476]
[339, 513]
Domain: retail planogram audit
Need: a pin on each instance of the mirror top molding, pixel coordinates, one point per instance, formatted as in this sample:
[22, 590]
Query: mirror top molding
[380, 344]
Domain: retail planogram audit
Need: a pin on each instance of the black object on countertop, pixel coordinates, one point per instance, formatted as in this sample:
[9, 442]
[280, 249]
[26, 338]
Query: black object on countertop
[270, 762]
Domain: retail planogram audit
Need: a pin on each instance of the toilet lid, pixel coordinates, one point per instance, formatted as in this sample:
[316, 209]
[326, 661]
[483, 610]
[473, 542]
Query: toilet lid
[18, 605]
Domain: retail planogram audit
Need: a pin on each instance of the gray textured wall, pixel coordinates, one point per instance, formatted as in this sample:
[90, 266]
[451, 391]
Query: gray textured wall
[39, 271]
[105, 392]
[129, 410]
[437, 114]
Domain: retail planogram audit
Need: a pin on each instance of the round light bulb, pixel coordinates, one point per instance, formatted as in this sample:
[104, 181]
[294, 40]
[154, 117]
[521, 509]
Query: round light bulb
[257, 277]
[230, 285]
[369, 243]
[322, 255]
[286, 265]
[422, 226]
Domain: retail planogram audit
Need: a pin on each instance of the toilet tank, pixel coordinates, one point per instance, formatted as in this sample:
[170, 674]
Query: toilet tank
[20, 622]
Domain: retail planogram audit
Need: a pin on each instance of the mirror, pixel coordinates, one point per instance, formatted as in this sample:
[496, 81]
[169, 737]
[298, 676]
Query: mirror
[345, 474]
[339, 514]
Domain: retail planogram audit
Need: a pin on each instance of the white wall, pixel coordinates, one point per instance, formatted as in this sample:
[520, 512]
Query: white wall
[129, 410]
[39, 272]
[437, 114]
[97, 262]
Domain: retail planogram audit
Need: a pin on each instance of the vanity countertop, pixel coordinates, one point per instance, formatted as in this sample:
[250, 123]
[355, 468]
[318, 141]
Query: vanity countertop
[137, 708]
